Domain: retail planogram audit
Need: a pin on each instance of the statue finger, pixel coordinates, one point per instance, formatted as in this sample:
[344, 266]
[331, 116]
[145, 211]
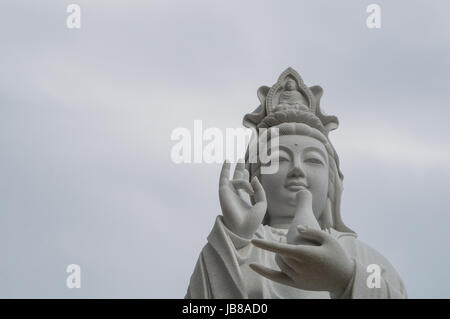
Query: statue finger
[285, 267]
[239, 169]
[316, 235]
[293, 263]
[260, 194]
[244, 185]
[272, 274]
[246, 175]
[282, 248]
[224, 173]
[298, 252]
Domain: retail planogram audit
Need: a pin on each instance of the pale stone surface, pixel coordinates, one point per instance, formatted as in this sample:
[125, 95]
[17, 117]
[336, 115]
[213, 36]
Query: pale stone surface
[287, 239]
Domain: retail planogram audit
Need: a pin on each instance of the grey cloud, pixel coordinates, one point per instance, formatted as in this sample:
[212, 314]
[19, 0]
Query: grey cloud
[86, 117]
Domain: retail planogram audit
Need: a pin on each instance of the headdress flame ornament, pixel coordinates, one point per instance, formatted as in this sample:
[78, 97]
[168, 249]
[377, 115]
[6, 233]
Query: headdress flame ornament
[281, 97]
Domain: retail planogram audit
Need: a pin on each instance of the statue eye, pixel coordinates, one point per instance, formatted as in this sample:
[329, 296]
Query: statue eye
[313, 160]
[276, 158]
[279, 156]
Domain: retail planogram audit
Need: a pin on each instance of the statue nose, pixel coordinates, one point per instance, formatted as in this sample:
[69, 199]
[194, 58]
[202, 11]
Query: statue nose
[297, 170]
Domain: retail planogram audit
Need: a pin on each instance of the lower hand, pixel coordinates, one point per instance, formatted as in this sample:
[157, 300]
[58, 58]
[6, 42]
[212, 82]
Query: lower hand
[322, 267]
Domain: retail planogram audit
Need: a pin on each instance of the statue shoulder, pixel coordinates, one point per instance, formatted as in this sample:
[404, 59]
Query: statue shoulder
[367, 255]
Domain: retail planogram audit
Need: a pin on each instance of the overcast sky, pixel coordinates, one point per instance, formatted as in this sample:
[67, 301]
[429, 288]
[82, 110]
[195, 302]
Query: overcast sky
[86, 116]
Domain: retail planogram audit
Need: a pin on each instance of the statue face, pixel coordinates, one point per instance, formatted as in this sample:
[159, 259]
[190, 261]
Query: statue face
[303, 160]
[290, 85]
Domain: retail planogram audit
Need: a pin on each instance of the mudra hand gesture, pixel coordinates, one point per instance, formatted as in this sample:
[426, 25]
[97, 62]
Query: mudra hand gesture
[320, 264]
[240, 215]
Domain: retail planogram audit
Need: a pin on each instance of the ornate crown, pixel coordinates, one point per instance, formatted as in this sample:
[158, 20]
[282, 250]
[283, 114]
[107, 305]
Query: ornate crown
[290, 94]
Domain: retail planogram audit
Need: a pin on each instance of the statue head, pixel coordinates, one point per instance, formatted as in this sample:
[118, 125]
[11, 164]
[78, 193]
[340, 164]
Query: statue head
[306, 157]
[290, 85]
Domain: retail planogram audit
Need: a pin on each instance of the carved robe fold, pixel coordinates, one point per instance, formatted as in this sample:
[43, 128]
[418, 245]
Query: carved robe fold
[222, 269]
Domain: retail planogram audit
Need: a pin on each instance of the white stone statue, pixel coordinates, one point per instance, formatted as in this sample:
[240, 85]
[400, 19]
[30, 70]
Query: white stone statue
[281, 235]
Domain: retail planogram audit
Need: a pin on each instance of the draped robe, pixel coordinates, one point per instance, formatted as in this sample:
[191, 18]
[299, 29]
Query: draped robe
[222, 269]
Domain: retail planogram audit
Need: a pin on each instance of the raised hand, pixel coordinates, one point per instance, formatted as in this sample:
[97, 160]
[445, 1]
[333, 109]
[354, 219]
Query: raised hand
[240, 215]
[322, 267]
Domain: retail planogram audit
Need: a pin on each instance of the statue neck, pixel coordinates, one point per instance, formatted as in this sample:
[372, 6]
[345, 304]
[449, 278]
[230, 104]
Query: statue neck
[280, 222]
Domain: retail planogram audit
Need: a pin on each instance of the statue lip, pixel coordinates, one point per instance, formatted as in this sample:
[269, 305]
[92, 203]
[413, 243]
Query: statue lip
[295, 186]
